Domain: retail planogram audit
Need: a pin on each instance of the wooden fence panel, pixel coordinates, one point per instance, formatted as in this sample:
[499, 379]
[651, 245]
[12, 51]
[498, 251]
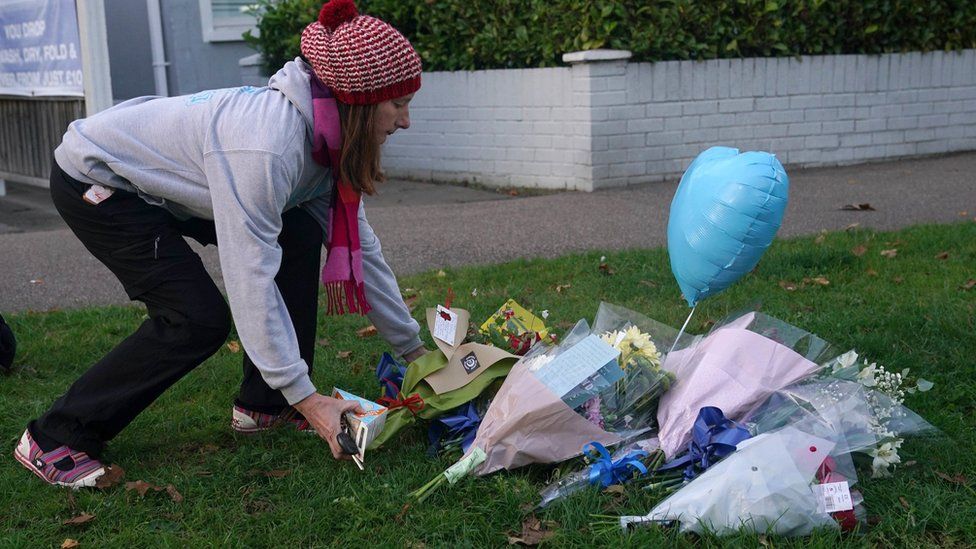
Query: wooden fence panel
[30, 130]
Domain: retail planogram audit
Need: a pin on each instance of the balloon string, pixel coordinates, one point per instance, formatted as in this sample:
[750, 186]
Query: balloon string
[682, 331]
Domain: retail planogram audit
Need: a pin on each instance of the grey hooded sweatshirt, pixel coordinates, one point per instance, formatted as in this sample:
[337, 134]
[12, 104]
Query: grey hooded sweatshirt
[241, 157]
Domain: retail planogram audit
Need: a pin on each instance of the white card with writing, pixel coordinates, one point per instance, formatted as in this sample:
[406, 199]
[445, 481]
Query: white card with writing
[574, 365]
[833, 497]
[445, 325]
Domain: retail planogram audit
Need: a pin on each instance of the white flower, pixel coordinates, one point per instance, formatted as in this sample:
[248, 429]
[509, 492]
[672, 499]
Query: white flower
[885, 456]
[545, 314]
[866, 375]
[845, 360]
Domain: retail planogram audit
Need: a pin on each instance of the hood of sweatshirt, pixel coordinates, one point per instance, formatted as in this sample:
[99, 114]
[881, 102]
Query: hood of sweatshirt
[294, 81]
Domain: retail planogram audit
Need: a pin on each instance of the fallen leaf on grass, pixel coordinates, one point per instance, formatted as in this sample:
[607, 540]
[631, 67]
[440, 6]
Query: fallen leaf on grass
[898, 279]
[821, 237]
[83, 518]
[788, 286]
[113, 475]
[411, 301]
[959, 479]
[817, 280]
[859, 250]
[323, 342]
[904, 503]
[561, 287]
[871, 272]
[368, 331]
[234, 346]
[943, 255]
[764, 541]
[648, 283]
[617, 490]
[969, 284]
[403, 513]
[910, 463]
[277, 473]
[889, 253]
[606, 269]
[852, 227]
[862, 207]
[344, 354]
[174, 494]
[69, 543]
[533, 532]
[140, 486]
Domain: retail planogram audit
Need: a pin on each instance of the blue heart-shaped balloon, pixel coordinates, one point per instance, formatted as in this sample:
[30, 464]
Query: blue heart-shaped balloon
[724, 215]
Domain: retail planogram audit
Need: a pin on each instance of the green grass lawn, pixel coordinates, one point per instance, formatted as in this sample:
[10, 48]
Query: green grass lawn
[908, 311]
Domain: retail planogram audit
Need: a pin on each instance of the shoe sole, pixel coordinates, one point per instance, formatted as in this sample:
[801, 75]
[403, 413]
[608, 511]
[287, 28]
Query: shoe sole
[85, 482]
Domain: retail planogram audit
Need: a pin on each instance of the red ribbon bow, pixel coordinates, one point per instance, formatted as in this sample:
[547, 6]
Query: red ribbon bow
[414, 403]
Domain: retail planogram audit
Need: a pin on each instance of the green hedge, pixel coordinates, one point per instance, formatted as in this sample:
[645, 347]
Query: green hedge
[484, 34]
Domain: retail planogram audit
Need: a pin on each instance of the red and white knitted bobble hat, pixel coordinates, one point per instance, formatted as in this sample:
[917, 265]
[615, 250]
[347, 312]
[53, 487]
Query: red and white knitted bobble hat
[361, 59]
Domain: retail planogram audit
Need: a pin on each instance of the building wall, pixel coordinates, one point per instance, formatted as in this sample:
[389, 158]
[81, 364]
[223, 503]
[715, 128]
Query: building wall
[194, 64]
[505, 127]
[129, 52]
[611, 123]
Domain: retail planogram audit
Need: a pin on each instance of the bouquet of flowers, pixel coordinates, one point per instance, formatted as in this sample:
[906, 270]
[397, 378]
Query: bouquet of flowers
[819, 422]
[557, 399]
[769, 484]
[738, 365]
[441, 381]
[514, 328]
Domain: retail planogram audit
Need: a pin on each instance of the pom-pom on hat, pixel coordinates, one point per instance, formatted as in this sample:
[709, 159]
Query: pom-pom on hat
[361, 59]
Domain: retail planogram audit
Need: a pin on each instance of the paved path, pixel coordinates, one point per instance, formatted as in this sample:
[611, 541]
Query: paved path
[425, 226]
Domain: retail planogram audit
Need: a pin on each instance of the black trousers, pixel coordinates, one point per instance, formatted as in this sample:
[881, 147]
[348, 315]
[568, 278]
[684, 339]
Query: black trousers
[189, 320]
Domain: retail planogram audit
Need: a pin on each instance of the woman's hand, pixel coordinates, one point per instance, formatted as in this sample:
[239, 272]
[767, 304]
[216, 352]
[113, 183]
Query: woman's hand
[415, 354]
[324, 414]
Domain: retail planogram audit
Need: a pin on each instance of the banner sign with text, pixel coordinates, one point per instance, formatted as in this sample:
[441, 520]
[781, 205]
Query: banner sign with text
[40, 52]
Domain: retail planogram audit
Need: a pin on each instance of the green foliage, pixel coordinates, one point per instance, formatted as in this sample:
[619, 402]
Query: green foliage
[482, 34]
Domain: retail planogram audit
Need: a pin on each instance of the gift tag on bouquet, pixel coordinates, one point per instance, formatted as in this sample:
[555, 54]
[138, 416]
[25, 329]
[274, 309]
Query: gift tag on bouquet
[445, 325]
[833, 497]
[449, 327]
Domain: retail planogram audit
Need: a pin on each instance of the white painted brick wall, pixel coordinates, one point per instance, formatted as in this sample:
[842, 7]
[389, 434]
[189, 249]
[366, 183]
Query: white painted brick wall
[599, 124]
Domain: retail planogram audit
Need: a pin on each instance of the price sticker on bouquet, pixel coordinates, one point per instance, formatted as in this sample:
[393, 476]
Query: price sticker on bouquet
[445, 325]
[833, 497]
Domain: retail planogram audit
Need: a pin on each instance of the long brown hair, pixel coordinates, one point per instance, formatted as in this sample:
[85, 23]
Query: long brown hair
[359, 160]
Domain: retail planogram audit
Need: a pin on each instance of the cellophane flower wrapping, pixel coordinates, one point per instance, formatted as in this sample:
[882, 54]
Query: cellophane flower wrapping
[531, 422]
[628, 404]
[871, 422]
[579, 480]
[768, 485]
[735, 367]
